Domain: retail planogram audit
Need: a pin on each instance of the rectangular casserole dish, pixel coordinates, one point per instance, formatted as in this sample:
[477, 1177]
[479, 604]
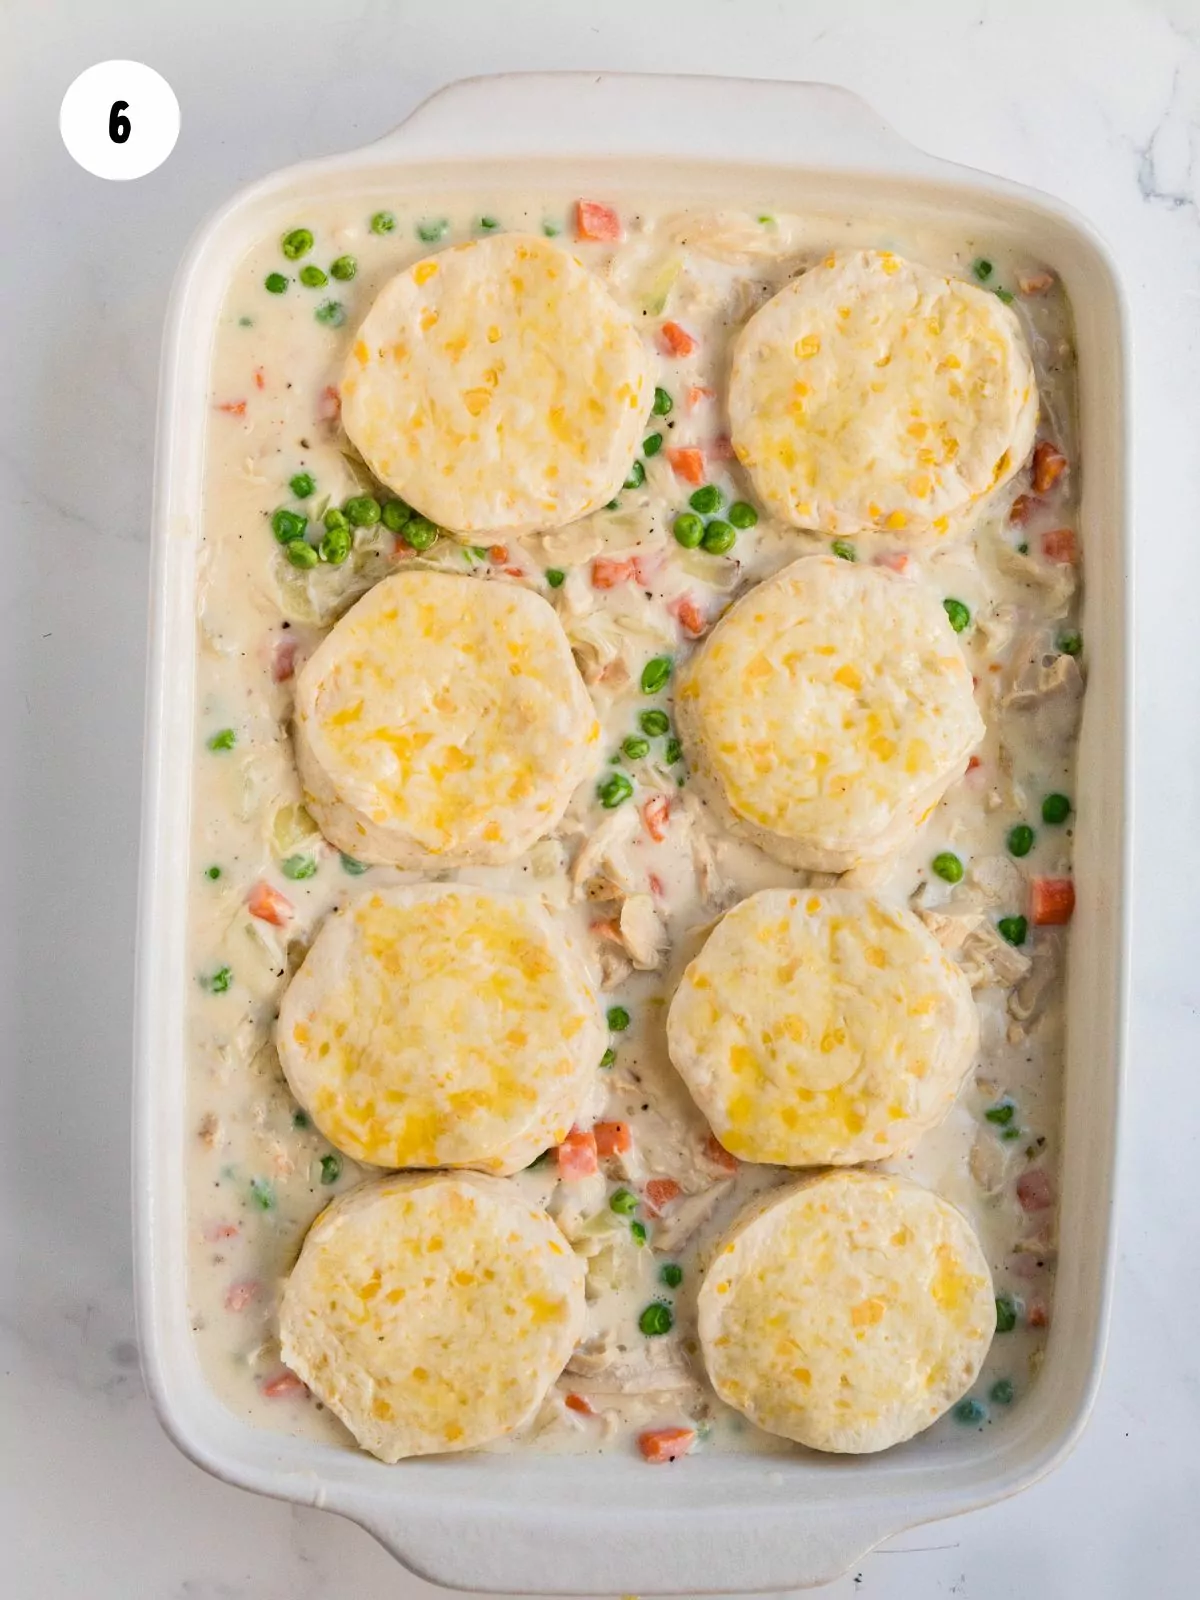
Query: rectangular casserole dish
[594, 1525]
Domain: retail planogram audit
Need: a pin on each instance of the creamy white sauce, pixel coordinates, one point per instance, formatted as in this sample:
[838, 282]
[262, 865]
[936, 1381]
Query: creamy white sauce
[256, 1171]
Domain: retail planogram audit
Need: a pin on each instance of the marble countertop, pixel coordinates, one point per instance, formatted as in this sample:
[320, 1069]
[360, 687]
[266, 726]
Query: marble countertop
[1099, 104]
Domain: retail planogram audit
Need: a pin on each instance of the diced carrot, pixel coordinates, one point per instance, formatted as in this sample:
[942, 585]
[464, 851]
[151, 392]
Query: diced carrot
[687, 463]
[894, 560]
[607, 573]
[283, 660]
[656, 884]
[716, 1152]
[606, 928]
[513, 572]
[721, 449]
[329, 406]
[240, 1295]
[1059, 545]
[697, 394]
[665, 1444]
[596, 222]
[655, 813]
[660, 1192]
[577, 1154]
[1022, 509]
[233, 408]
[268, 905]
[580, 1403]
[1037, 1316]
[214, 1231]
[646, 568]
[690, 617]
[283, 1386]
[1049, 464]
[674, 340]
[1051, 901]
[260, 381]
[612, 1138]
[498, 553]
[973, 763]
[1034, 282]
[1035, 1190]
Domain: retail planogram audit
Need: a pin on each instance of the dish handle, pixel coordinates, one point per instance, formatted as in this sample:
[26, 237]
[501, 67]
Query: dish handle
[506, 1551]
[583, 114]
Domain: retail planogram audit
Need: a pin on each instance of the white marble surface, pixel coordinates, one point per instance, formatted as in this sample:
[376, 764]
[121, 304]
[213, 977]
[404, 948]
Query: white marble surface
[1098, 103]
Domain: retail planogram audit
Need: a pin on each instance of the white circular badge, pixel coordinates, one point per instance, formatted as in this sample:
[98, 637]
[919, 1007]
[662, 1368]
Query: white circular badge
[119, 119]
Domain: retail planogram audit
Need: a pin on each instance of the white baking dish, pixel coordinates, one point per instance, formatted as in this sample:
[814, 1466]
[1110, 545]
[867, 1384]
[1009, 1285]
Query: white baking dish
[544, 1524]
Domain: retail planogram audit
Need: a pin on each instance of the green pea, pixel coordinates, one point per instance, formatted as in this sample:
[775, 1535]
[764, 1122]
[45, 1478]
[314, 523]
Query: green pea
[719, 537]
[362, 511]
[1010, 1134]
[275, 283]
[212, 873]
[609, 1056]
[656, 1319]
[707, 499]
[394, 515]
[654, 723]
[353, 867]
[652, 444]
[382, 222]
[223, 739]
[263, 1194]
[1001, 1392]
[671, 1274]
[688, 530]
[551, 230]
[970, 1413]
[742, 514]
[555, 577]
[313, 278]
[635, 748]
[1006, 1313]
[430, 231]
[217, 982]
[1013, 929]
[421, 533]
[1006, 295]
[248, 322]
[288, 525]
[615, 789]
[844, 550]
[298, 867]
[623, 1203]
[331, 1168]
[1020, 839]
[343, 269]
[958, 613]
[335, 546]
[300, 1119]
[766, 220]
[301, 554]
[637, 1231]
[296, 244]
[335, 519]
[655, 674]
[673, 752]
[663, 404]
[636, 477]
[618, 1019]
[302, 485]
[488, 224]
[1001, 1114]
[1056, 808]
[1023, 549]
[331, 312]
[947, 866]
[1071, 644]
[982, 269]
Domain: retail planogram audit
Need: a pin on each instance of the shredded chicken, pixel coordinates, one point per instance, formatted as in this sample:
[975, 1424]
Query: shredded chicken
[732, 236]
[1055, 578]
[603, 857]
[615, 966]
[1027, 999]
[989, 1162]
[996, 626]
[689, 1213]
[210, 1131]
[714, 891]
[656, 1364]
[951, 928]
[642, 932]
[999, 880]
[1048, 683]
[988, 959]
